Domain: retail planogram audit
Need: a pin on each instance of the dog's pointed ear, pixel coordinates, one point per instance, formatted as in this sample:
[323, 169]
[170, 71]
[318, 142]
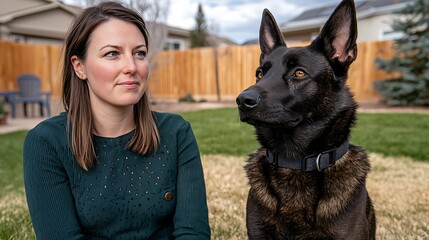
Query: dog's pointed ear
[270, 35]
[339, 34]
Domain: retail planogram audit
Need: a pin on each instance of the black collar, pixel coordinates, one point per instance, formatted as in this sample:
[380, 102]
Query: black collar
[314, 162]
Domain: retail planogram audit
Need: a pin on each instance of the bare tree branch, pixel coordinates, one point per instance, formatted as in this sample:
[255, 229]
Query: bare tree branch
[155, 13]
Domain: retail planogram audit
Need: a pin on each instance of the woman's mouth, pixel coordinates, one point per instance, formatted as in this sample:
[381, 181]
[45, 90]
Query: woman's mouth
[129, 84]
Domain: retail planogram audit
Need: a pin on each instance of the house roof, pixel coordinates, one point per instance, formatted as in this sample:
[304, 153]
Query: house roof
[41, 18]
[51, 19]
[219, 41]
[45, 18]
[178, 31]
[316, 17]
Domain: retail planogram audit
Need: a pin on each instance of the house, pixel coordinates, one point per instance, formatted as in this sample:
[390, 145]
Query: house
[219, 41]
[374, 20]
[179, 39]
[35, 21]
[47, 22]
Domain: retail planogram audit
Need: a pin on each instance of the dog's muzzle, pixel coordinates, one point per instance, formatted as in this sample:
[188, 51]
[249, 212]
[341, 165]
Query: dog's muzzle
[248, 99]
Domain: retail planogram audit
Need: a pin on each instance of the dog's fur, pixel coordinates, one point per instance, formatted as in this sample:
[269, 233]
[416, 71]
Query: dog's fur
[300, 105]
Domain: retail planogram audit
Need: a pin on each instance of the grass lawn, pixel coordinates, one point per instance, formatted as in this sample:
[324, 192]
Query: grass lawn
[398, 183]
[15, 221]
[392, 134]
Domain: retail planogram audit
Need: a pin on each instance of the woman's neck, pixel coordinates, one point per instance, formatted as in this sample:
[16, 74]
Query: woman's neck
[113, 122]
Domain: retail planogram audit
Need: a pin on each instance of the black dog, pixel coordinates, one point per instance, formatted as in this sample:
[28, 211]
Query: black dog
[306, 181]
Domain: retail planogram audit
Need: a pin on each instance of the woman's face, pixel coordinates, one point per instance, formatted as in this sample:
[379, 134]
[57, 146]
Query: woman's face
[115, 67]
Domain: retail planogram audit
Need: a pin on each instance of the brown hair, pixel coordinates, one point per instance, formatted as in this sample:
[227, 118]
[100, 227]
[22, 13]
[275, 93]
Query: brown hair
[75, 93]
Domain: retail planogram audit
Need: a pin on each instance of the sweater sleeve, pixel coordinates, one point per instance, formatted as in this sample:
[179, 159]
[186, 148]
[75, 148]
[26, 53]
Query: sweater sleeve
[191, 216]
[47, 187]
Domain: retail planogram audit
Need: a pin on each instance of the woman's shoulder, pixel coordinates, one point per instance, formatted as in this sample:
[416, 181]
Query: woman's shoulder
[55, 125]
[58, 121]
[170, 123]
[169, 118]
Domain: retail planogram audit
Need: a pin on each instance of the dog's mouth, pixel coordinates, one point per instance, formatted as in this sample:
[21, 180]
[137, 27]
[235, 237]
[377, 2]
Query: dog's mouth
[256, 110]
[271, 118]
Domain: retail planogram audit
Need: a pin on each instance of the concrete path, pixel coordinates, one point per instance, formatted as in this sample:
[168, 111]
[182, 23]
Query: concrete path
[21, 123]
[28, 123]
[17, 124]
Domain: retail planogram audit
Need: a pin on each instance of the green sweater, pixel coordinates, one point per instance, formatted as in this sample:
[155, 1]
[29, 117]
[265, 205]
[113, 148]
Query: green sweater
[125, 195]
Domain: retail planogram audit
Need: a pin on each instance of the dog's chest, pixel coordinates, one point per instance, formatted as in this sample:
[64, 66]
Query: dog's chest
[283, 190]
[293, 200]
[288, 201]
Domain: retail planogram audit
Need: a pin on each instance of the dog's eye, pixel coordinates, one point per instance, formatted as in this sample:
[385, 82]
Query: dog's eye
[299, 74]
[259, 74]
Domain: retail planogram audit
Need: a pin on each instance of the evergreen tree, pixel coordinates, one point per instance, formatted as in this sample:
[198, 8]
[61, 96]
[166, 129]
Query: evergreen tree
[411, 58]
[199, 33]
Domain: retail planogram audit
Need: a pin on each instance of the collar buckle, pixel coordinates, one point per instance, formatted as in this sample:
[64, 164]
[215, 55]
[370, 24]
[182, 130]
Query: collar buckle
[325, 160]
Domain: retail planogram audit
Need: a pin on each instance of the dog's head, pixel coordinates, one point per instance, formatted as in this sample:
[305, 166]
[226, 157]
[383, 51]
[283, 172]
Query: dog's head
[300, 84]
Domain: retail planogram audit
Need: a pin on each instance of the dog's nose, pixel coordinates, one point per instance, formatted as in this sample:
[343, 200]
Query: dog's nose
[248, 99]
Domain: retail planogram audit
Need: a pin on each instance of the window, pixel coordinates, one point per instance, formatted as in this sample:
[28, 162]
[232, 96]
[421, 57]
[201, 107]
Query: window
[17, 38]
[174, 44]
[389, 35]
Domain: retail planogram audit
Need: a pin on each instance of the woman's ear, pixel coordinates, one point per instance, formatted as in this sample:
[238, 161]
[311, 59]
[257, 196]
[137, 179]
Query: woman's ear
[78, 67]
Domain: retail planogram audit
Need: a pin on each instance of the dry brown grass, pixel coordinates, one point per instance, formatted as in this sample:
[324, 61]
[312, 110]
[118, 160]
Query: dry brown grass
[227, 189]
[399, 188]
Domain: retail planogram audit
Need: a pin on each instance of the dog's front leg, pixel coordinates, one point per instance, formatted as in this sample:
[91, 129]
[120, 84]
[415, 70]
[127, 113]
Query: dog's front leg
[255, 228]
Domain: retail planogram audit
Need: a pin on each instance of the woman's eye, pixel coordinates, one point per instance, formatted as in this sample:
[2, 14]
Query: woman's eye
[259, 74]
[111, 54]
[299, 74]
[141, 54]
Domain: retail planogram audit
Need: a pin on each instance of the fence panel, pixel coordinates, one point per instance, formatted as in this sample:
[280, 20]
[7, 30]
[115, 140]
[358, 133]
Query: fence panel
[236, 67]
[42, 60]
[364, 72]
[206, 73]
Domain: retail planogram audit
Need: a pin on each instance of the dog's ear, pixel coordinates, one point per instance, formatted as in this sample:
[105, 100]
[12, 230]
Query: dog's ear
[270, 35]
[339, 34]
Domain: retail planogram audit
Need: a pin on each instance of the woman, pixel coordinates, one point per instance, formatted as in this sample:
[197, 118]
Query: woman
[109, 167]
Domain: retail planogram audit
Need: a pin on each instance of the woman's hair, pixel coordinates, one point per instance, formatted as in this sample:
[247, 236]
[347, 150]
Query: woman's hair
[75, 93]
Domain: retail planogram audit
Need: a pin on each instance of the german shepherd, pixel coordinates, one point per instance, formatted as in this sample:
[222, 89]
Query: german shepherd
[306, 180]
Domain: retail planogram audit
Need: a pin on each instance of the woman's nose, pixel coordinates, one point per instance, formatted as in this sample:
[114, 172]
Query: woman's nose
[130, 64]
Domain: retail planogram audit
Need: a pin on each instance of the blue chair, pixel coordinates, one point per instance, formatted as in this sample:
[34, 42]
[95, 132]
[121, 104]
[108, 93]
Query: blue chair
[29, 92]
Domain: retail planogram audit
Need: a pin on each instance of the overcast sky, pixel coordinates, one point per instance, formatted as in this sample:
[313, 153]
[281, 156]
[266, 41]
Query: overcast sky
[237, 20]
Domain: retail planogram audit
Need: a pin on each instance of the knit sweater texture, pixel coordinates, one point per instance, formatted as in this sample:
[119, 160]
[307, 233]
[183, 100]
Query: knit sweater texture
[125, 195]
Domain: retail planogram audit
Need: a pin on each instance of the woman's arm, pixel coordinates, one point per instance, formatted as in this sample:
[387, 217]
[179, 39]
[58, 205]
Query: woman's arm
[47, 187]
[191, 216]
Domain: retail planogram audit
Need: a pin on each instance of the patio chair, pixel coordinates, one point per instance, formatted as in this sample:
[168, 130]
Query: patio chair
[29, 92]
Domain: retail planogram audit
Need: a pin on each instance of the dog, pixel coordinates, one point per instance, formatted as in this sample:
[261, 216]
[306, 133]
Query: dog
[306, 180]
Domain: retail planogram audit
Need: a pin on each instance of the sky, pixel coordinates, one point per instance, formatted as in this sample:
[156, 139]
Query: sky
[237, 20]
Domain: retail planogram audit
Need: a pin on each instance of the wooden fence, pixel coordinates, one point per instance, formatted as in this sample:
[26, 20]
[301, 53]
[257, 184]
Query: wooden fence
[42, 60]
[206, 73]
